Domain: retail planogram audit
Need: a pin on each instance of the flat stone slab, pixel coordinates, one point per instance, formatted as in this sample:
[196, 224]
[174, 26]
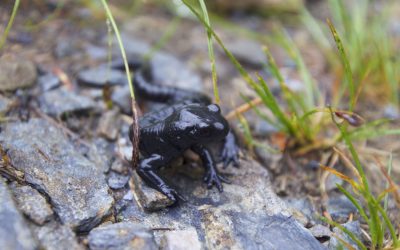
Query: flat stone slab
[75, 187]
[14, 232]
[53, 236]
[32, 204]
[61, 101]
[121, 236]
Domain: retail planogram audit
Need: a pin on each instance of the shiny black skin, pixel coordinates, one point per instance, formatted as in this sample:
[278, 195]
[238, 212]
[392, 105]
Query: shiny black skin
[190, 122]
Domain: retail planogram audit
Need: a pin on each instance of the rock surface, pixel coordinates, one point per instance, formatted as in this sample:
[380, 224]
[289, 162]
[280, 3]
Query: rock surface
[61, 101]
[32, 204]
[120, 236]
[74, 185]
[14, 232]
[53, 236]
[16, 73]
[5, 104]
[117, 181]
[109, 124]
[48, 82]
[100, 77]
[181, 240]
[247, 51]
[247, 215]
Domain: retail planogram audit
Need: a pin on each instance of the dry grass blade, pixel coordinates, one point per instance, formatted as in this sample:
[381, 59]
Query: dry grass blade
[243, 108]
[347, 162]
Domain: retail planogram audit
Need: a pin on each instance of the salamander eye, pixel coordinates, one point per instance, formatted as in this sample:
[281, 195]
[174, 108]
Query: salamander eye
[214, 108]
[204, 129]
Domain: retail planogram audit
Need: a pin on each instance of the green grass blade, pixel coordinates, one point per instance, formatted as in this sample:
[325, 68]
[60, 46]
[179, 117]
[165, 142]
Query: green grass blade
[311, 90]
[275, 109]
[346, 64]
[389, 172]
[121, 46]
[288, 95]
[258, 111]
[267, 97]
[346, 231]
[354, 201]
[396, 241]
[10, 23]
[210, 52]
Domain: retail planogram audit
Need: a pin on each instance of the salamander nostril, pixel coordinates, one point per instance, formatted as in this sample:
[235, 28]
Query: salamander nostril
[218, 125]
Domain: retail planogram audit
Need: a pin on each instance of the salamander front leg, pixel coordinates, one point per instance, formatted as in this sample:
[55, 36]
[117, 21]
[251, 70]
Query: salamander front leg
[230, 150]
[211, 177]
[147, 170]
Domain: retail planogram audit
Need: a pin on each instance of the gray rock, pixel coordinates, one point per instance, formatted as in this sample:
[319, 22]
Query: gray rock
[117, 181]
[16, 73]
[263, 128]
[53, 236]
[239, 230]
[340, 208]
[247, 51]
[14, 232]
[181, 240]
[233, 219]
[5, 105]
[32, 204]
[321, 232]
[61, 101]
[124, 235]
[352, 226]
[120, 167]
[48, 82]
[109, 124]
[122, 98]
[133, 47]
[96, 52]
[302, 210]
[101, 153]
[332, 181]
[167, 70]
[149, 198]
[100, 77]
[76, 188]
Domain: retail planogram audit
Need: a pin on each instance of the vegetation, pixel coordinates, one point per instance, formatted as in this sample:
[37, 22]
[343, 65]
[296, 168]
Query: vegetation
[363, 63]
[297, 120]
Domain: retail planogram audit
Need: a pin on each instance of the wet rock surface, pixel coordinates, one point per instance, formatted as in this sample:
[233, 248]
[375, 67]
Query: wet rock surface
[124, 235]
[14, 232]
[16, 73]
[61, 101]
[74, 185]
[32, 204]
